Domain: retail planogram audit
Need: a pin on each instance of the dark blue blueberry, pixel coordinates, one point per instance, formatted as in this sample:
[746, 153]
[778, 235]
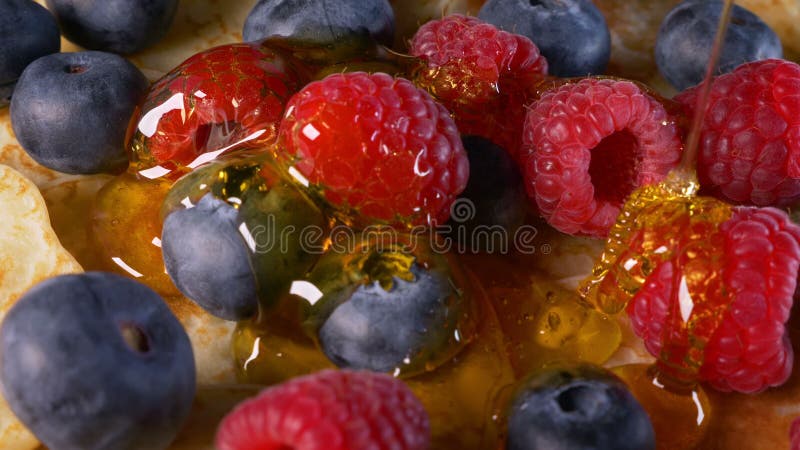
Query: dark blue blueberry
[381, 330]
[70, 111]
[119, 26]
[571, 34]
[494, 198]
[96, 361]
[580, 407]
[686, 36]
[320, 21]
[27, 31]
[208, 259]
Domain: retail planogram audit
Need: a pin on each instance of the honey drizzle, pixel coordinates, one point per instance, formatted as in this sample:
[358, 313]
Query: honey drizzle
[668, 223]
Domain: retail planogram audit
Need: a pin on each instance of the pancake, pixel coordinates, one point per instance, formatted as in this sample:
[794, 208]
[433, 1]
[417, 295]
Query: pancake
[29, 253]
[743, 422]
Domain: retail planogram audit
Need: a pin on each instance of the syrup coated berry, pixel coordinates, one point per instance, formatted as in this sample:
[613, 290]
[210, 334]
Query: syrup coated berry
[571, 34]
[208, 259]
[96, 361]
[331, 410]
[687, 34]
[382, 328]
[377, 147]
[578, 407]
[320, 21]
[231, 95]
[754, 258]
[750, 137]
[471, 60]
[118, 26]
[588, 144]
[27, 32]
[495, 192]
[70, 111]
[484, 76]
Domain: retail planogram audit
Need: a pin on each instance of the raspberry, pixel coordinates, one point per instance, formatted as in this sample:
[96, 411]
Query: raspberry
[484, 76]
[587, 145]
[733, 310]
[750, 141]
[794, 434]
[224, 95]
[377, 146]
[331, 410]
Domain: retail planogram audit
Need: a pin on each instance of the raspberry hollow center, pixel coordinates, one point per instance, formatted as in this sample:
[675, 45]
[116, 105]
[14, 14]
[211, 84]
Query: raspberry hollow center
[614, 167]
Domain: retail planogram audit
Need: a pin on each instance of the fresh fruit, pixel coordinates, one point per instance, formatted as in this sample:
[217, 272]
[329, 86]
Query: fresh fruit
[320, 21]
[207, 258]
[473, 60]
[70, 110]
[484, 76]
[687, 34]
[571, 34]
[334, 410]
[733, 335]
[494, 199]
[119, 26]
[575, 408]
[750, 135]
[96, 361]
[588, 144]
[236, 233]
[378, 327]
[376, 147]
[27, 31]
[219, 100]
[794, 435]
[386, 306]
[708, 286]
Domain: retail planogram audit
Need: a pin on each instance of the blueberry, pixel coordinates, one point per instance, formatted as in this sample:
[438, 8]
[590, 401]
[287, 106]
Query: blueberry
[377, 329]
[70, 111]
[687, 34]
[27, 31]
[96, 361]
[251, 233]
[494, 198]
[571, 34]
[320, 21]
[119, 26]
[208, 259]
[578, 407]
[388, 307]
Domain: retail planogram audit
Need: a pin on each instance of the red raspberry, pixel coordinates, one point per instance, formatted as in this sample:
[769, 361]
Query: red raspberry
[750, 141]
[748, 270]
[587, 145]
[484, 76]
[794, 434]
[330, 410]
[377, 146]
[212, 100]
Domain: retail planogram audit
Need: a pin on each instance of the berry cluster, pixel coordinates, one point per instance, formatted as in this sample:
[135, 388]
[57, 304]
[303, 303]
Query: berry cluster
[264, 137]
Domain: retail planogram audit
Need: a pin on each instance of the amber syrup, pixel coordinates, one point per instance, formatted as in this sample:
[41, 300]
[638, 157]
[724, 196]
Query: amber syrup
[661, 223]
